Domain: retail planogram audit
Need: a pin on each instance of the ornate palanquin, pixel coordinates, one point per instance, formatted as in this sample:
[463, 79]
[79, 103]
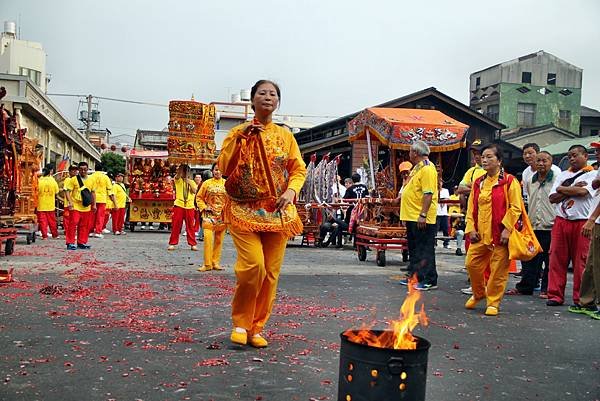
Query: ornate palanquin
[191, 132]
[29, 162]
[378, 217]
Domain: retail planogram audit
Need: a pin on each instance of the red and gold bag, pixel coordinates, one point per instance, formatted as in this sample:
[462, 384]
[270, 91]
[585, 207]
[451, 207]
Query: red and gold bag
[251, 179]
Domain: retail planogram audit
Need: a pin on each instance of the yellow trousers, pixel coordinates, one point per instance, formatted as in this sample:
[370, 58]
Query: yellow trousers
[213, 244]
[478, 258]
[259, 259]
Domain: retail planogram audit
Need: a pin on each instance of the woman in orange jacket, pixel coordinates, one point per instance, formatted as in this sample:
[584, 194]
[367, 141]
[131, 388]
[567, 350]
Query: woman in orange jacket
[265, 172]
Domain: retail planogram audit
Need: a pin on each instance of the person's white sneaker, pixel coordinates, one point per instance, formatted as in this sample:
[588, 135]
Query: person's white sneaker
[99, 236]
[105, 231]
[142, 227]
[467, 291]
[117, 232]
[151, 228]
[38, 233]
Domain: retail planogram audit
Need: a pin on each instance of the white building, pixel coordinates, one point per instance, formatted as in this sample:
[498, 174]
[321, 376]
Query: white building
[23, 74]
[22, 57]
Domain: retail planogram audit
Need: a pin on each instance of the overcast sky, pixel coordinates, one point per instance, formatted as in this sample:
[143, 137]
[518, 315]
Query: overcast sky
[330, 58]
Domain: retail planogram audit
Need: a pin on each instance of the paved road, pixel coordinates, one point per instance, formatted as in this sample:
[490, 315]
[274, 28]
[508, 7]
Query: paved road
[128, 320]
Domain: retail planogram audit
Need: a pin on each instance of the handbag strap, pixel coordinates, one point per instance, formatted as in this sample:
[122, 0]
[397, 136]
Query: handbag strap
[80, 181]
[524, 216]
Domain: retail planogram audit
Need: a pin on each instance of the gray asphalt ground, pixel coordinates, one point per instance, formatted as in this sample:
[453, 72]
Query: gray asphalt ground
[128, 320]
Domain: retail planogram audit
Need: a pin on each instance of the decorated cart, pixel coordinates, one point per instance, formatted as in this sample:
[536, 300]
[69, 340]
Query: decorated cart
[377, 222]
[150, 187]
[11, 142]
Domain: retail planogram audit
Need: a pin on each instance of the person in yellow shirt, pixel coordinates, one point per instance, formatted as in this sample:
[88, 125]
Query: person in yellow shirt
[68, 214]
[490, 220]
[81, 212]
[46, 210]
[103, 186]
[211, 199]
[118, 211]
[183, 208]
[260, 228]
[418, 209]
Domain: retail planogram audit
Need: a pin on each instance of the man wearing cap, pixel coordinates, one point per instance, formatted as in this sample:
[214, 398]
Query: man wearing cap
[473, 173]
[590, 281]
[572, 195]
[464, 189]
[118, 212]
[418, 208]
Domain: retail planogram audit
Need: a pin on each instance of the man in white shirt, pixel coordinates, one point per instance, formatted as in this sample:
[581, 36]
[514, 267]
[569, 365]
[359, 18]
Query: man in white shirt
[572, 195]
[442, 213]
[530, 151]
[590, 282]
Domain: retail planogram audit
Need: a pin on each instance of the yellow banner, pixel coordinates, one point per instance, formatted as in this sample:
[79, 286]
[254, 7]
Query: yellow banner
[150, 211]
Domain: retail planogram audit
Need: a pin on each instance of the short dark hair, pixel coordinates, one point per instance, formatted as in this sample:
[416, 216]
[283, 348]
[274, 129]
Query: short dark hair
[532, 145]
[581, 149]
[261, 82]
[355, 177]
[82, 164]
[546, 153]
[50, 166]
[73, 167]
[45, 171]
[496, 148]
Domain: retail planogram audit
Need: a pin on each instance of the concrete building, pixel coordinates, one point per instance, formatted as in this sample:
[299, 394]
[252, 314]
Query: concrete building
[45, 122]
[23, 74]
[531, 91]
[22, 57]
[590, 122]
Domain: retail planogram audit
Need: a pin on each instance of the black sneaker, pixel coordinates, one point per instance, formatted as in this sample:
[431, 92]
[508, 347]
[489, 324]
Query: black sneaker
[552, 302]
[459, 252]
[581, 309]
[83, 246]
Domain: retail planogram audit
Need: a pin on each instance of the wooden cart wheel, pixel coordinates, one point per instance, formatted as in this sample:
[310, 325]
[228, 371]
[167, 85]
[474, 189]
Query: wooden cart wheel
[380, 258]
[9, 246]
[362, 253]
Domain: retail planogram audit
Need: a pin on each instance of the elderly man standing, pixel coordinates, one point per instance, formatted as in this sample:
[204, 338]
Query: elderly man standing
[542, 214]
[418, 209]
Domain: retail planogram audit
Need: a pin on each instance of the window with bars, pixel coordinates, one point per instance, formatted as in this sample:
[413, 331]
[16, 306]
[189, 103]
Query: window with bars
[525, 114]
[493, 112]
[564, 118]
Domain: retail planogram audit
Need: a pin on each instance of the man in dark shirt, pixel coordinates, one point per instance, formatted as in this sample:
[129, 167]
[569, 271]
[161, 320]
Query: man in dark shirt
[356, 191]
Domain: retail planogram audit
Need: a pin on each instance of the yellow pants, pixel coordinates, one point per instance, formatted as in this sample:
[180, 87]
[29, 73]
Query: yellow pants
[213, 244]
[478, 258]
[259, 259]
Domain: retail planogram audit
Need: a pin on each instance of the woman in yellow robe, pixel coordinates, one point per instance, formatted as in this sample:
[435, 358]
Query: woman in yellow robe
[211, 199]
[261, 227]
[494, 209]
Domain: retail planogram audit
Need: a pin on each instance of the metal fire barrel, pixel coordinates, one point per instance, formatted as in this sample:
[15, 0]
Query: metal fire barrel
[369, 373]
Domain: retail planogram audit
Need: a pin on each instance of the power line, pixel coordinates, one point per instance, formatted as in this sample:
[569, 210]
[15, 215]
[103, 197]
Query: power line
[111, 99]
[164, 105]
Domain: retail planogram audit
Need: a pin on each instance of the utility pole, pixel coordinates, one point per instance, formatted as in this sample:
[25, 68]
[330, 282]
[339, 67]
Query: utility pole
[88, 120]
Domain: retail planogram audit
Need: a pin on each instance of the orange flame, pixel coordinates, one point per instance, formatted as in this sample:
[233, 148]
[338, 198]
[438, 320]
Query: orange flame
[398, 335]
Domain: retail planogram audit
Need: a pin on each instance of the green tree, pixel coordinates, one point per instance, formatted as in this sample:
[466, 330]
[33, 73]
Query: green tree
[113, 163]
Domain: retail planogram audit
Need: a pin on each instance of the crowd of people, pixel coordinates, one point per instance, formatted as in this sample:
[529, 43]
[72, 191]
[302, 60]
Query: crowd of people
[265, 171]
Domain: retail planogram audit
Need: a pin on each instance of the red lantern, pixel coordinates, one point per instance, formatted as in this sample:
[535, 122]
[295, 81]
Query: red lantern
[113, 147]
[103, 146]
[124, 149]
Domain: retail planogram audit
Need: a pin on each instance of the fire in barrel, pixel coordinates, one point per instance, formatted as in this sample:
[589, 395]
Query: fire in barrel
[386, 364]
